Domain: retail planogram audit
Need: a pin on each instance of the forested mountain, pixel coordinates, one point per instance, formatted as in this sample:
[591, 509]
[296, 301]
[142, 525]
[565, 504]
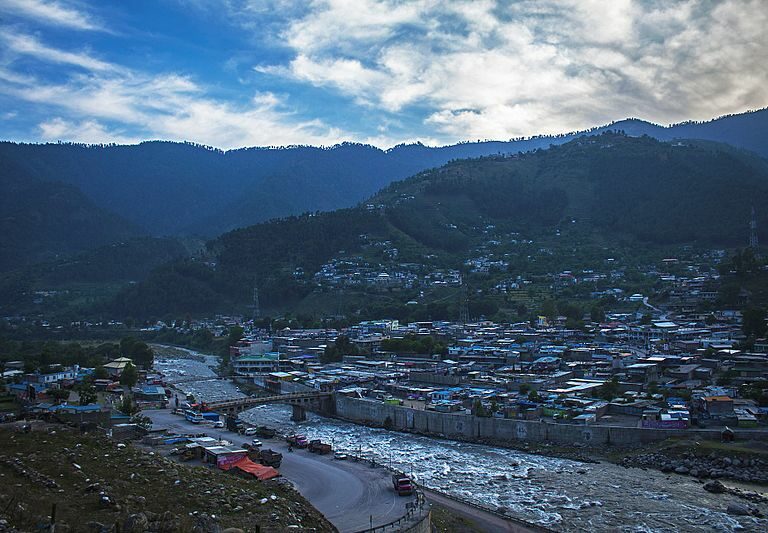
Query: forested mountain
[40, 220]
[610, 185]
[175, 189]
[80, 279]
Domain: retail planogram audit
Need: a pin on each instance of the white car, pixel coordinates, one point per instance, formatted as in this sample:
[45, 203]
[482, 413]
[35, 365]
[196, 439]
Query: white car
[218, 424]
[256, 442]
[249, 432]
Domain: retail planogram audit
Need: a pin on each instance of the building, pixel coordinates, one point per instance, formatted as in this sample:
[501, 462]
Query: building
[257, 365]
[115, 368]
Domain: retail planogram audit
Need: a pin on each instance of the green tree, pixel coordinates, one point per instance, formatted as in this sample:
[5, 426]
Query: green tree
[138, 351]
[610, 389]
[128, 406]
[100, 372]
[478, 409]
[87, 394]
[58, 394]
[129, 376]
[753, 322]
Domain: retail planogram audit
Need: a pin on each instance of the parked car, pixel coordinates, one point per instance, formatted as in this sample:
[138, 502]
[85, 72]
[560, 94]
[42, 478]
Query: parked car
[249, 432]
[218, 424]
[256, 443]
[340, 456]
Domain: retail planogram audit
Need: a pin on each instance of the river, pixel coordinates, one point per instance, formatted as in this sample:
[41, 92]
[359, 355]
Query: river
[561, 494]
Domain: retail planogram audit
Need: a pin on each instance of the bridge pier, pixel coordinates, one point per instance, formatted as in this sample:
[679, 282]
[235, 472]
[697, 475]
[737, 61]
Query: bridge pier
[299, 414]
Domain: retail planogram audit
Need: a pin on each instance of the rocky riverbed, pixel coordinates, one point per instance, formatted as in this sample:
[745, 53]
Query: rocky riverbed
[710, 466]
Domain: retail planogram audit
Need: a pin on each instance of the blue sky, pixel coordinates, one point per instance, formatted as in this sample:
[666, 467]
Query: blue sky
[275, 72]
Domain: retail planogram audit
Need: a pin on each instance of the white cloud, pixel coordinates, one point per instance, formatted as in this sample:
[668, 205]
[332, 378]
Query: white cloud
[51, 12]
[103, 101]
[486, 69]
[87, 131]
[19, 43]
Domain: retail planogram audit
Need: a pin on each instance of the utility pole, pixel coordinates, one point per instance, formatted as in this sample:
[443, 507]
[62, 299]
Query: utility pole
[753, 242]
[464, 303]
[256, 306]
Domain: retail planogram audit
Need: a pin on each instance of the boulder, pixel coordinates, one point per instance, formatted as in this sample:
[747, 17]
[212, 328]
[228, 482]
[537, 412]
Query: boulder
[136, 523]
[737, 509]
[715, 487]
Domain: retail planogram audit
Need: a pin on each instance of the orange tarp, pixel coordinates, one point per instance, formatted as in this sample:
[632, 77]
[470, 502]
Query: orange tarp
[260, 472]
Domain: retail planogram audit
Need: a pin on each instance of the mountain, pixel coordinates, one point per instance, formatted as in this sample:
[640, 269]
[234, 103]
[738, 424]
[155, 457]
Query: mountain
[74, 282]
[40, 220]
[610, 187]
[171, 188]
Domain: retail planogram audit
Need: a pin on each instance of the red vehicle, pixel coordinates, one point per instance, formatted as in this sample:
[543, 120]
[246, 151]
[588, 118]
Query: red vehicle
[402, 484]
[300, 441]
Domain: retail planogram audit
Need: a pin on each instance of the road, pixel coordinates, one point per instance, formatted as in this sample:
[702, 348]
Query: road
[346, 492]
[662, 313]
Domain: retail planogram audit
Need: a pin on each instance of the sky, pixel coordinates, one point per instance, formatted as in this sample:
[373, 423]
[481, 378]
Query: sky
[233, 73]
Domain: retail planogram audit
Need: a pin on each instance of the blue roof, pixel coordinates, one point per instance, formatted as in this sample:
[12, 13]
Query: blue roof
[67, 407]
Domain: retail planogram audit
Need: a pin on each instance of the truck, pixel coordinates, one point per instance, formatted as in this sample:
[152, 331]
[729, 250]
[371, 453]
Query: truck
[270, 458]
[300, 441]
[265, 432]
[234, 424]
[402, 484]
[211, 416]
[316, 446]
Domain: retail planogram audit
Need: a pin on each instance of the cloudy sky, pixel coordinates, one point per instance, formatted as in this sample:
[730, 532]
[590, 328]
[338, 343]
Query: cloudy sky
[235, 73]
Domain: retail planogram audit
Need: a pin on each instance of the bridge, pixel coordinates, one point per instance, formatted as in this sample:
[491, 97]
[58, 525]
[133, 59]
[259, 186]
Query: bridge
[299, 401]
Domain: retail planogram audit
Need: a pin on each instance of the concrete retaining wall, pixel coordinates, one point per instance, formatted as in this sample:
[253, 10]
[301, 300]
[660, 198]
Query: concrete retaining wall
[470, 427]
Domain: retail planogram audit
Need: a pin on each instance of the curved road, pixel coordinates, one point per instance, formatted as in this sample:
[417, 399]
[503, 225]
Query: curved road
[348, 493]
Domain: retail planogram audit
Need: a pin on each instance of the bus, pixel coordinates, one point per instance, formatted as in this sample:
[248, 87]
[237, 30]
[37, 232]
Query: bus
[194, 416]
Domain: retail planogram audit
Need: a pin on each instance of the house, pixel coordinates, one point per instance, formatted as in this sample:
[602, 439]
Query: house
[54, 376]
[254, 365]
[151, 393]
[718, 405]
[115, 368]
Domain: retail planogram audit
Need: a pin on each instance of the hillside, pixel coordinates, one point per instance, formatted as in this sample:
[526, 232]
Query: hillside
[610, 187]
[74, 282]
[96, 484]
[41, 220]
[175, 189]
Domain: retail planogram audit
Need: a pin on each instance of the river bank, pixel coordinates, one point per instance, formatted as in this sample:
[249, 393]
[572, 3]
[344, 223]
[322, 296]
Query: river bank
[558, 493]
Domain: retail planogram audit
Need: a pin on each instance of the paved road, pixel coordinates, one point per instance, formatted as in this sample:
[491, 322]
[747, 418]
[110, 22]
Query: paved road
[346, 492]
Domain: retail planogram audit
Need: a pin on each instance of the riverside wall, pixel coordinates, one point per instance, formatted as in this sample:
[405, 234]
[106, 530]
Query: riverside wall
[468, 427]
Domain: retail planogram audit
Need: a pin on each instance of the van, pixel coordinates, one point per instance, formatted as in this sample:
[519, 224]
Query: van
[250, 432]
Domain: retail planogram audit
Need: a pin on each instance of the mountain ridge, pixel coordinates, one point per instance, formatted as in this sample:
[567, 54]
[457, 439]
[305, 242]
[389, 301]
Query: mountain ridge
[621, 188]
[171, 188]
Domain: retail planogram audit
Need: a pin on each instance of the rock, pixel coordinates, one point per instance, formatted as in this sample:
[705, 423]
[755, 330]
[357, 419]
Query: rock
[715, 487]
[681, 470]
[136, 523]
[738, 510]
[233, 530]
